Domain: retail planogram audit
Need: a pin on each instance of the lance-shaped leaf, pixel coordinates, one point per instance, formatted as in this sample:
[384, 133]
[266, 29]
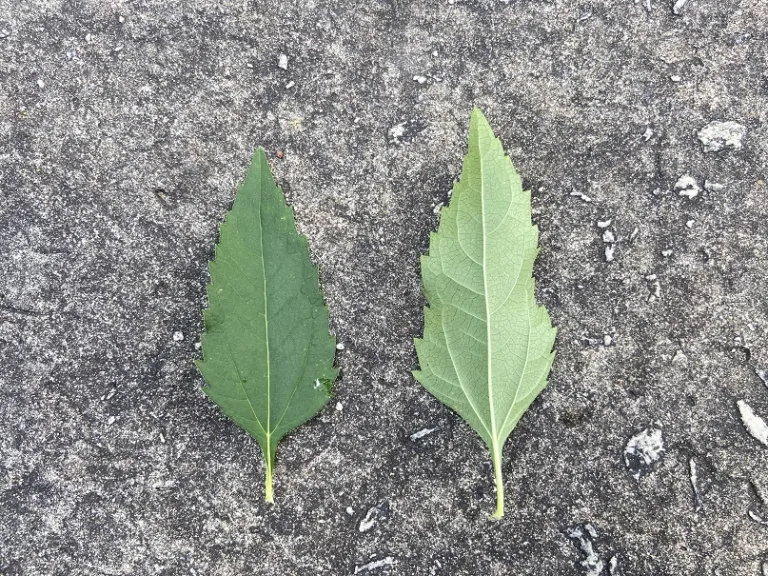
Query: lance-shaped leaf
[267, 352]
[487, 347]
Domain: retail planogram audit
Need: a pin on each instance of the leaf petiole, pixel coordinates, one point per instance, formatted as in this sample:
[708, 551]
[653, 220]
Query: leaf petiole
[499, 487]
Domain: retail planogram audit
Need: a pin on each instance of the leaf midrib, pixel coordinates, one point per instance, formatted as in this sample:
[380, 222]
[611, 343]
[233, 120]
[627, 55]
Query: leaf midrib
[494, 435]
[267, 429]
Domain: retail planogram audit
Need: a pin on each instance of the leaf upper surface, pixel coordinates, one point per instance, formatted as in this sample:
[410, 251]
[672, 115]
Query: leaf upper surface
[267, 352]
[487, 346]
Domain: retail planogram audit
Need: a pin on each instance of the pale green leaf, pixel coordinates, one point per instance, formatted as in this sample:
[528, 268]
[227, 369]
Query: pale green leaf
[487, 346]
[267, 352]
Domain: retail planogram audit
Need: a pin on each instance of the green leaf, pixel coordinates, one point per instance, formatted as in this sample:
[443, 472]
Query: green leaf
[267, 352]
[487, 347]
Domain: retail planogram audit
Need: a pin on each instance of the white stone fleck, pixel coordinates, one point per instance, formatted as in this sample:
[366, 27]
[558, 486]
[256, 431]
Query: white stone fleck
[436, 209]
[678, 6]
[687, 186]
[602, 224]
[679, 357]
[645, 448]
[581, 195]
[592, 562]
[695, 485]
[648, 134]
[421, 433]
[651, 277]
[763, 375]
[340, 346]
[676, 78]
[370, 519]
[40, 83]
[420, 79]
[607, 340]
[754, 424]
[339, 406]
[609, 249]
[388, 561]
[757, 518]
[689, 223]
[350, 510]
[718, 135]
[110, 420]
[666, 253]
[282, 61]
[608, 237]
[178, 336]
[710, 186]
[290, 85]
[397, 132]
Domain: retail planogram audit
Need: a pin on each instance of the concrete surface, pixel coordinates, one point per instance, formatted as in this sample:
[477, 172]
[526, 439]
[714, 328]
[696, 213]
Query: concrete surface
[125, 127]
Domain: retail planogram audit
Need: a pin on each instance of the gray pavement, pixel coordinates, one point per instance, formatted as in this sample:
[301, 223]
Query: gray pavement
[125, 127]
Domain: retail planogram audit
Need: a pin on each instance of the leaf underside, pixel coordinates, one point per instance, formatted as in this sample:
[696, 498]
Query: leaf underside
[487, 347]
[267, 352]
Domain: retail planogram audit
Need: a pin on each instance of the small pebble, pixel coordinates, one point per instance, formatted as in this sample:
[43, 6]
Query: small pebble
[607, 340]
[420, 79]
[340, 346]
[648, 134]
[436, 209]
[339, 406]
[178, 336]
[290, 85]
[687, 186]
[679, 356]
[678, 6]
[283, 62]
[717, 135]
[40, 83]
[608, 237]
[581, 195]
[666, 253]
[713, 186]
[350, 510]
[609, 252]
[604, 223]
[689, 223]
[675, 78]
[421, 433]
[110, 420]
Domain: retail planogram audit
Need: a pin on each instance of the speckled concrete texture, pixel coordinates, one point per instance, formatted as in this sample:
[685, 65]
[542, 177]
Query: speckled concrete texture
[125, 127]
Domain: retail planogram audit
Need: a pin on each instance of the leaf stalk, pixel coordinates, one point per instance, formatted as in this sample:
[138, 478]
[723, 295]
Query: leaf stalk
[268, 482]
[499, 486]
